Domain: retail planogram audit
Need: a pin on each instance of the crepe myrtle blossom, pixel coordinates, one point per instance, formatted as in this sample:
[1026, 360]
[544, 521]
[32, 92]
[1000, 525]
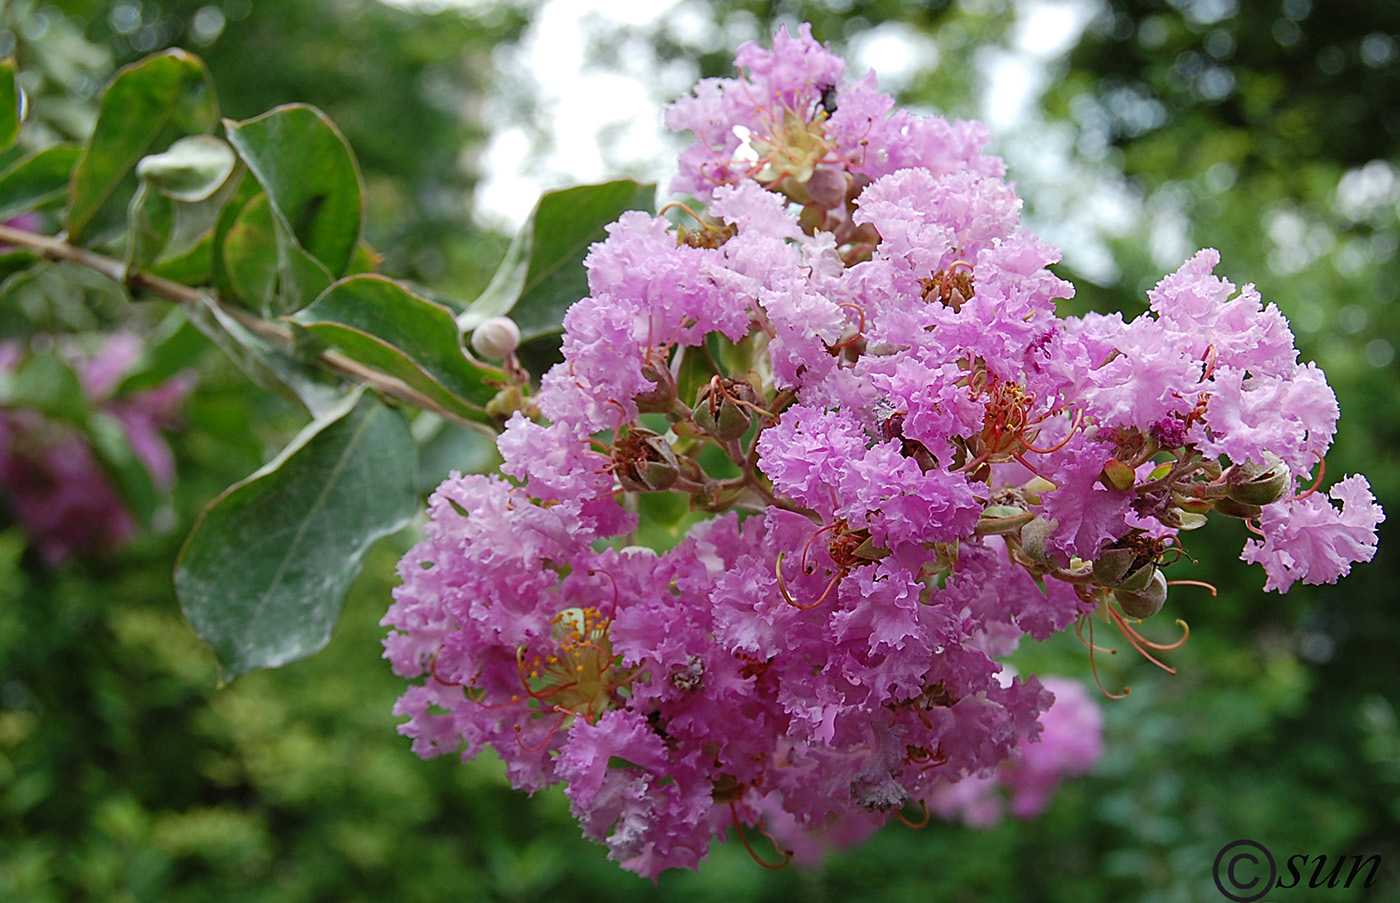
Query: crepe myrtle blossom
[52, 482]
[899, 460]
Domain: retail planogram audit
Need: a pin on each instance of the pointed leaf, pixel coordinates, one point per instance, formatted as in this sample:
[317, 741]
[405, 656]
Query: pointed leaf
[147, 106]
[310, 176]
[380, 323]
[268, 366]
[37, 179]
[112, 445]
[566, 223]
[10, 99]
[265, 571]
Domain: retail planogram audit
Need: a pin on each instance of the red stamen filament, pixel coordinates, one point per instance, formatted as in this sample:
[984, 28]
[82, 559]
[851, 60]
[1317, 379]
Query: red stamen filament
[787, 597]
[1093, 665]
[920, 824]
[739, 830]
[1321, 471]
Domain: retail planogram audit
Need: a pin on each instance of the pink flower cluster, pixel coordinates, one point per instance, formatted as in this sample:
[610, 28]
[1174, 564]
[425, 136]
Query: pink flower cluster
[50, 478]
[899, 460]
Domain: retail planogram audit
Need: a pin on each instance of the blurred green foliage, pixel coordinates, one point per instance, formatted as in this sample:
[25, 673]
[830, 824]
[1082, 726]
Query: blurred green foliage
[125, 775]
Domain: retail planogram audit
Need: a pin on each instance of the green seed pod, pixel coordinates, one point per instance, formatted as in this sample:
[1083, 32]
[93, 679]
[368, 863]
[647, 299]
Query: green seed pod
[1112, 566]
[1232, 508]
[1257, 484]
[658, 399]
[1146, 602]
[1118, 475]
[1033, 537]
[718, 412]
[645, 462]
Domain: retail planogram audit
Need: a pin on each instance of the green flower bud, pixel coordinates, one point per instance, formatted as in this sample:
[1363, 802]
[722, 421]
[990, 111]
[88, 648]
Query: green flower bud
[1033, 537]
[1232, 508]
[645, 462]
[1145, 602]
[658, 399]
[1257, 484]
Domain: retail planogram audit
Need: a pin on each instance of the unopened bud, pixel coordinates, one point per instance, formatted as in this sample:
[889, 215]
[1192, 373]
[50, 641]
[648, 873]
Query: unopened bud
[505, 403]
[659, 398]
[1118, 475]
[1232, 508]
[721, 408]
[496, 338]
[1258, 484]
[1033, 537]
[1146, 602]
[645, 461]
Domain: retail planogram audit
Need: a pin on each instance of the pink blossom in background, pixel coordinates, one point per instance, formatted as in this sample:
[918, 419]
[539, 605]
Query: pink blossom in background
[51, 480]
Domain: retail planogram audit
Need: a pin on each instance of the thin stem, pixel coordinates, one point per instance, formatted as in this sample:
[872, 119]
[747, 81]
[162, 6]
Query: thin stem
[58, 249]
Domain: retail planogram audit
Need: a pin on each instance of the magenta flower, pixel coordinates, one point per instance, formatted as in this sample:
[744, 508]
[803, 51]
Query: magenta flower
[897, 459]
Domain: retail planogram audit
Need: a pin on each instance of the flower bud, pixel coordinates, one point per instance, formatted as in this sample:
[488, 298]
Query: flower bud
[1232, 508]
[718, 410]
[1118, 475]
[505, 403]
[496, 338]
[1258, 484]
[828, 187]
[1033, 537]
[645, 462]
[659, 398]
[1112, 566]
[1146, 602]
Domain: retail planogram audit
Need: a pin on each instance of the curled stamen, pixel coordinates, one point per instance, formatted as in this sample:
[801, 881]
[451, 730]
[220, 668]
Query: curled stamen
[1138, 642]
[1215, 593]
[856, 337]
[807, 567]
[1073, 428]
[683, 206]
[432, 669]
[1321, 472]
[787, 597]
[739, 830]
[547, 737]
[920, 824]
[1093, 665]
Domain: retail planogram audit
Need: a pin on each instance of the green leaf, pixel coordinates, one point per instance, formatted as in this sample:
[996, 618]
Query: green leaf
[37, 179]
[47, 384]
[147, 106]
[250, 254]
[191, 170]
[174, 345]
[188, 257]
[113, 448]
[543, 274]
[378, 322]
[263, 575]
[150, 220]
[268, 366]
[311, 179]
[10, 98]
